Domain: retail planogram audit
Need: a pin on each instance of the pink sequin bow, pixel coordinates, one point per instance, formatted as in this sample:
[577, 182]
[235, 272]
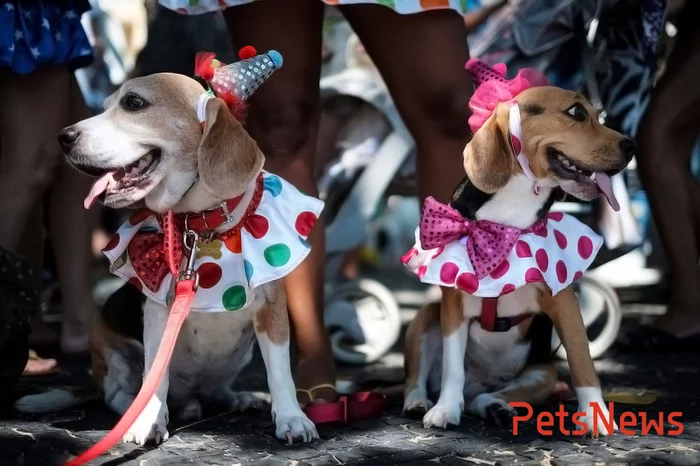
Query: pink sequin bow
[489, 243]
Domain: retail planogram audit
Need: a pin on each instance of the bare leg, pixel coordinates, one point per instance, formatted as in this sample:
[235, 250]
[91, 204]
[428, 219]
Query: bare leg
[283, 119]
[666, 137]
[421, 58]
[70, 226]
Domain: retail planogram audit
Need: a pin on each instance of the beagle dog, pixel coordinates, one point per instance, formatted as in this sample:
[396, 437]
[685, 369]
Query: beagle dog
[507, 267]
[149, 149]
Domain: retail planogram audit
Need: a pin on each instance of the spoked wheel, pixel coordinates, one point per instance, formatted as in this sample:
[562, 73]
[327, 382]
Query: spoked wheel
[602, 314]
[363, 320]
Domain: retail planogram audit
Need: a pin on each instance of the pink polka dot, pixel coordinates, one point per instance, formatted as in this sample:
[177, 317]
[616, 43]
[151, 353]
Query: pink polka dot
[305, 222]
[517, 146]
[578, 275]
[556, 216]
[438, 252]
[561, 239]
[448, 272]
[113, 242]
[585, 247]
[542, 260]
[407, 257]
[561, 271]
[541, 232]
[209, 274]
[509, 288]
[501, 270]
[533, 275]
[468, 282]
[522, 249]
[421, 271]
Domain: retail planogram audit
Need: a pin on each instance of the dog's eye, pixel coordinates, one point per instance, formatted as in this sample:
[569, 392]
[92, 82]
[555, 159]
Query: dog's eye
[133, 102]
[577, 112]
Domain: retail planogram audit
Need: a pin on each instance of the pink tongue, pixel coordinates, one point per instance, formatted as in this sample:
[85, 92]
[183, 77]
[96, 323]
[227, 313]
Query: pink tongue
[605, 185]
[98, 187]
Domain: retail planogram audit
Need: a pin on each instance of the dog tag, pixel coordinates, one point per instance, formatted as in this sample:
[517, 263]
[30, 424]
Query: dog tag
[209, 248]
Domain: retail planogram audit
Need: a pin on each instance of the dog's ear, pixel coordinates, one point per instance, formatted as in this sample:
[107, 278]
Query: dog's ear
[488, 158]
[228, 158]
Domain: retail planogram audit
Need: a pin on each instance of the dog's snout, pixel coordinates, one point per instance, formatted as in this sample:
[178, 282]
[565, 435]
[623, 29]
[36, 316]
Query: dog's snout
[68, 137]
[628, 148]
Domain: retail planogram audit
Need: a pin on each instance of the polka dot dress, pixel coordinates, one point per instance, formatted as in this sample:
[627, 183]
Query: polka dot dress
[270, 246]
[556, 255]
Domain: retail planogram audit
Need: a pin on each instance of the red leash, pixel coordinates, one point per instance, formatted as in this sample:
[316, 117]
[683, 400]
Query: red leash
[185, 289]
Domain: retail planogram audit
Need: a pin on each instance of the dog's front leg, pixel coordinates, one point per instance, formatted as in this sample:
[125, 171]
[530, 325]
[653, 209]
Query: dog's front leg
[454, 329]
[564, 311]
[151, 424]
[272, 331]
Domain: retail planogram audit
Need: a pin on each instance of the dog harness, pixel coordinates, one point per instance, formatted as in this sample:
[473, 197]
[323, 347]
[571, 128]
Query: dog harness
[489, 260]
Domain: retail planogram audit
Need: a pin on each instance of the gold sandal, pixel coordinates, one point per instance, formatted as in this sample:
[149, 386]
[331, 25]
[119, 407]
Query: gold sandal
[309, 392]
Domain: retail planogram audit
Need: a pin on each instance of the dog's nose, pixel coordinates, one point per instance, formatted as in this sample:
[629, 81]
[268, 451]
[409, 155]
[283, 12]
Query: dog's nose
[628, 148]
[68, 137]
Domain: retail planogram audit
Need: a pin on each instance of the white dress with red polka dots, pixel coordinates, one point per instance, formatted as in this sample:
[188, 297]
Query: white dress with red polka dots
[556, 255]
[230, 269]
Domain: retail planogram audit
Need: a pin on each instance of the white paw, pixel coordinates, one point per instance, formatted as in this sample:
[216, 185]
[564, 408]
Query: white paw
[295, 427]
[145, 430]
[416, 402]
[243, 401]
[599, 418]
[441, 416]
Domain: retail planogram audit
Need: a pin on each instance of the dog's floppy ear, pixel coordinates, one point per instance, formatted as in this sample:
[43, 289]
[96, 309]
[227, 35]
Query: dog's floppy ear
[488, 158]
[228, 158]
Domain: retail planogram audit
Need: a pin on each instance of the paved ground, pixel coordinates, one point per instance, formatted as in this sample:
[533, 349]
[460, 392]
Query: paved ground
[231, 439]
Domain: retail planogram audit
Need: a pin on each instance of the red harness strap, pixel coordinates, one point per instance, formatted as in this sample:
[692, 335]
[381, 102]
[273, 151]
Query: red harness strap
[490, 321]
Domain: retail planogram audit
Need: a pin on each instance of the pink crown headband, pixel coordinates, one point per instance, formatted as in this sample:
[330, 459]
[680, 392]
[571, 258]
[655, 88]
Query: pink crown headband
[492, 88]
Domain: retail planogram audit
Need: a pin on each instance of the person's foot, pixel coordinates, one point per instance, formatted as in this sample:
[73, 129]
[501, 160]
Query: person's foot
[315, 377]
[37, 366]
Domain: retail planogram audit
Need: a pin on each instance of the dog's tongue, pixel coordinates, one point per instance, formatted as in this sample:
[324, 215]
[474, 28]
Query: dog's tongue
[605, 184]
[98, 187]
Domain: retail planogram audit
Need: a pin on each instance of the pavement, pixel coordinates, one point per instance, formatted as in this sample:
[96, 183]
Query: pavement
[237, 439]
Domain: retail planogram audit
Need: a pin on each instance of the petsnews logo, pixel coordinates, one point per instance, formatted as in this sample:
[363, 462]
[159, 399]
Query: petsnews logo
[630, 423]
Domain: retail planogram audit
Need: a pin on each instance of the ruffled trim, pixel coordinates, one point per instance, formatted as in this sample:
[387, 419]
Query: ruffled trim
[269, 245]
[556, 255]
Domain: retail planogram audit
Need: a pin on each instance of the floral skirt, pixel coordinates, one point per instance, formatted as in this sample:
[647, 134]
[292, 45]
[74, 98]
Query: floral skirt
[195, 7]
[45, 32]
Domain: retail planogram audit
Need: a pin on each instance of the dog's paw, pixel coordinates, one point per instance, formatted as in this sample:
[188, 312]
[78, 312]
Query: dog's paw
[501, 413]
[143, 431]
[295, 427]
[441, 416]
[416, 402]
[597, 423]
[190, 411]
[243, 401]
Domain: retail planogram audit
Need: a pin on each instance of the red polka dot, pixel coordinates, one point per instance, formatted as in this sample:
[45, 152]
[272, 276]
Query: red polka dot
[509, 288]
[585, 247]
[556, 216]
[139, 216]
[561, 271]
[517, 146]
[501, 270]
[542, 260]
[233, 242]
[407, 257]
[522, 249]
[136, 282]
[209, 274]
[421, 271]
[542, 232]
[113, 242]
[305, 222]
[468, 282]
[533, 275]
[578, 275]
[561, 239]
[448, 272]
[257, 226]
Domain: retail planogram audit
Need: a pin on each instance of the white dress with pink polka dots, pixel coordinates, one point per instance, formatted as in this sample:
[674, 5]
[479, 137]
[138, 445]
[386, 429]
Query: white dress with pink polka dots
[230, 269]
[556, 255]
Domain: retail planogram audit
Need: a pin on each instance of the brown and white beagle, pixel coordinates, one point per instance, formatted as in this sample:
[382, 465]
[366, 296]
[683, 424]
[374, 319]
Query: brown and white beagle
[488, 341]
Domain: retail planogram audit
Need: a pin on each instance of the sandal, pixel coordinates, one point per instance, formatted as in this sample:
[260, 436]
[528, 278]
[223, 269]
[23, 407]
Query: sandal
[39, 367]
[354, 407]
[649, 339]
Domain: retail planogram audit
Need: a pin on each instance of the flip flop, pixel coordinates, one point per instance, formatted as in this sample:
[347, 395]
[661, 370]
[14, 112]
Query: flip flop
[41, 367]
[647, 339]
[348, 408]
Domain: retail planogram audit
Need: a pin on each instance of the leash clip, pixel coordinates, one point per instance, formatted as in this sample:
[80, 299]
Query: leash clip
[190, 273]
